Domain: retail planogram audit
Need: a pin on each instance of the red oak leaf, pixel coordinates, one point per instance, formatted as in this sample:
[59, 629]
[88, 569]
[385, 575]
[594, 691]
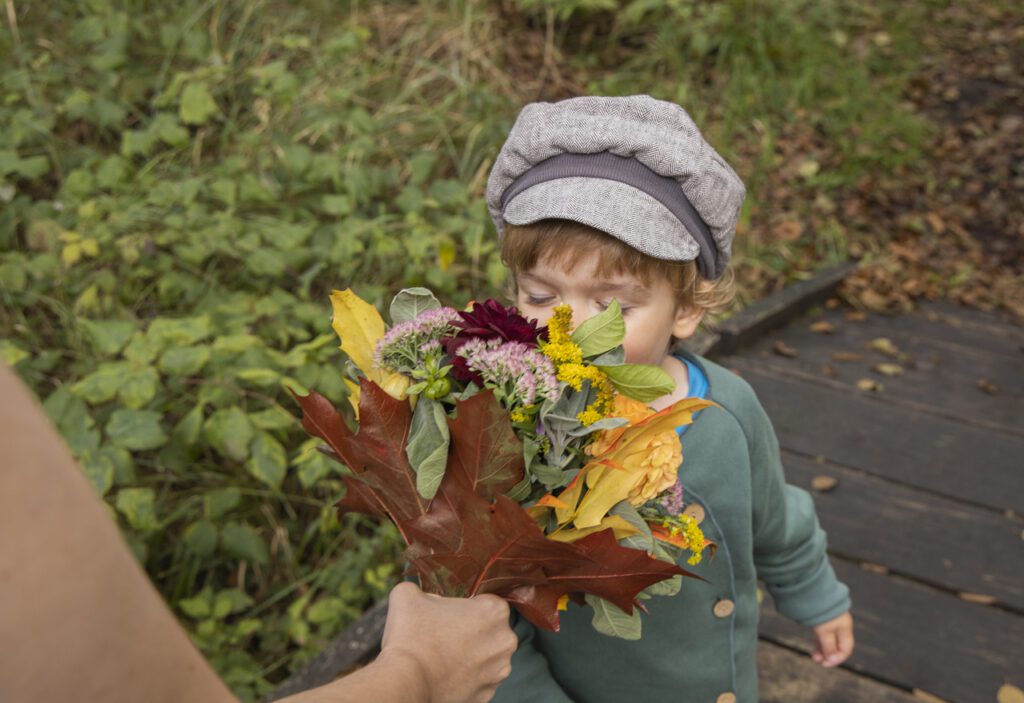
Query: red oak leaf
[471, 538]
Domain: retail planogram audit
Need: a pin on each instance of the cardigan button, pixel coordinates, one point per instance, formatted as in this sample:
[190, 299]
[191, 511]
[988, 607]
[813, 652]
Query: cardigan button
[696, 511]
[728, 697]
[723, 608]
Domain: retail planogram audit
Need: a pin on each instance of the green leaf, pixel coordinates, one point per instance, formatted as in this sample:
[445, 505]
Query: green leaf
[640, 381]
[184, 361]
[611, 620]
[629, 513]
[267, 460]
[428, 445]
[107, 337]
[339, 205]
[613, 357]
[99, 469]
[103, 383]
[273, 418]
[243, 542]
[179, 332]
[200, 538]
[410, 302]
[312, 464]
[602, 332]
[197, 105]
[11, 353]
[236, 343]
[139, 387]
[230, 601]
[259, 376]
[188, 428]
[198, 606]
[138, 505]
[137, 430]
[326, 610]
[33, 167]
[221, 501]
[230, 433]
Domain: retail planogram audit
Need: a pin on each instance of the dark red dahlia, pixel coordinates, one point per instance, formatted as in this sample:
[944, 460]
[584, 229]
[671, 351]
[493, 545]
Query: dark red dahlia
[490, 320]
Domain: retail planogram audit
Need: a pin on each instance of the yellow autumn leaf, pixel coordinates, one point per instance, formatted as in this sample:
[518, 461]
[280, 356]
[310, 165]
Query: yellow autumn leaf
[1008, 693]
[359, 327]
[619, 526]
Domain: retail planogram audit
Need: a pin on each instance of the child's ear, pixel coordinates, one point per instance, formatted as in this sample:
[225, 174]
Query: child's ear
[687, 319]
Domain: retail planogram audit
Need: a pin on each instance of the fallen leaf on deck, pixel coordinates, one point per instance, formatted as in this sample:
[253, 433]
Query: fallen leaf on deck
[885, 346]
[783, 349]
[847, 356]
[923, 695]
[982, 598]
[856, 316]
[874, 568]
[888, 369]
[829, 370]
[1009, 693]
[875, 302]
[869, 384]
[987, 386]
[823, 327]
[824, 484]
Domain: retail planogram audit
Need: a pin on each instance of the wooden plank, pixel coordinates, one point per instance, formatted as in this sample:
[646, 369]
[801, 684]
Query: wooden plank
[919, 638]
[934, 376]
[957, 328]
[754, 321]
[932, 453]
[933, 539]
[787, 677]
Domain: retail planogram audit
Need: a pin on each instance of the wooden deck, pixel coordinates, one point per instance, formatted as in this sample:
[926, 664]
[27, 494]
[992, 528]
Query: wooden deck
[924, 518]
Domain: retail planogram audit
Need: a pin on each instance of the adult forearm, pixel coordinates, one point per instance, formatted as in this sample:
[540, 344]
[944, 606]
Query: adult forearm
[80, 620]
[393, 677]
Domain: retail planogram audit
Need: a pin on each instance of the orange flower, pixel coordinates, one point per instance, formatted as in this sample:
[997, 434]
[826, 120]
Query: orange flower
[635, 462]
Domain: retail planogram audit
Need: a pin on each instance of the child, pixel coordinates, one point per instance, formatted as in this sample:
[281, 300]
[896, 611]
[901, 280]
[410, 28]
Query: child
[597, 198]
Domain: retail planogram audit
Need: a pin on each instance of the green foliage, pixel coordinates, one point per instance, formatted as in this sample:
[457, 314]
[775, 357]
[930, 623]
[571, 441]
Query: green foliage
[181, 185]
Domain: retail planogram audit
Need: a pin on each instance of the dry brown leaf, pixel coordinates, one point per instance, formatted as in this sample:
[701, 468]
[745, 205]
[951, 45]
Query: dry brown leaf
[884, 345]
[783, 349]
[982, 598]
[987, 386]
[923, 695]
[869, 384]
[847, 356]
[1009, 693]
[824, 484]
[787, 230]
[874, 568]
[823, 327]
[888, 369]
[829, 370]
[935, 222]
[874, 301]
[856, 316]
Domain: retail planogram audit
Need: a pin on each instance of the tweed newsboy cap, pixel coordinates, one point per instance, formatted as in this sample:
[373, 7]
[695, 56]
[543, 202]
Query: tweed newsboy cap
[635, 167]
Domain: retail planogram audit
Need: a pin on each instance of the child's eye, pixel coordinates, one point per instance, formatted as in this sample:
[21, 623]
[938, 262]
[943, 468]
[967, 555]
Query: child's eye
[532, 300]
[604, 306]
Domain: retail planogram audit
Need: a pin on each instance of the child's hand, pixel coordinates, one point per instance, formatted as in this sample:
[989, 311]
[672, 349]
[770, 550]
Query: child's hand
[834, 641]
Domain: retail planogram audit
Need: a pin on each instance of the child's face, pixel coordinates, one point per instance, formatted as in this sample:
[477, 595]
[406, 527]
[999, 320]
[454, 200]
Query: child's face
[650, 312]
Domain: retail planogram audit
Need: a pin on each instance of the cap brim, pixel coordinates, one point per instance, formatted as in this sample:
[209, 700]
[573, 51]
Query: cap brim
[621, 210]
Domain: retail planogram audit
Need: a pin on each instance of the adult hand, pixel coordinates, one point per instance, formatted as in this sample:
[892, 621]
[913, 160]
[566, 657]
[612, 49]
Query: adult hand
[834, 640]
[462, 646]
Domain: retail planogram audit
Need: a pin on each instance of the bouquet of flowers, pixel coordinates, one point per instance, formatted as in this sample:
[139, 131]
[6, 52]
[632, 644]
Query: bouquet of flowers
[514, 459]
